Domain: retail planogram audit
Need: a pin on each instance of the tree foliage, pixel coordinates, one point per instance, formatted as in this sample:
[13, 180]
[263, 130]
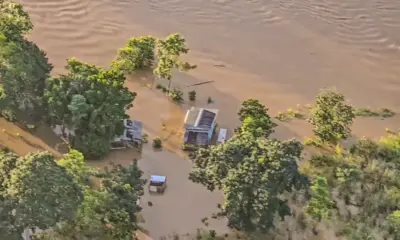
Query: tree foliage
[331, 116]
[92, 102]
[255, 118]
[24, 67]
[36, 192]
[107, 212]
[365, 181]
[14, 20]
[321, 201]
[252, 173]
[137, 55]
[169, 52]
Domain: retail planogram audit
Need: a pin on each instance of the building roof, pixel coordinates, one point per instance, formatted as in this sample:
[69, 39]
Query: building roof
[156, 178]
[200, 117]
[133, 129]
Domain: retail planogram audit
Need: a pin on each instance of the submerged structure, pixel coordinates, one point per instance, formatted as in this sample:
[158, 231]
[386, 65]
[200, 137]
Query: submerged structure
[199, 126]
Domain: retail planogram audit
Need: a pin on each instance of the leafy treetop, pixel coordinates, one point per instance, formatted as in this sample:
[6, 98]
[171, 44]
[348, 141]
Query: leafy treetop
[14, 21]
[252, 173]
[36, 192]
[137, 55]
[168, 56]
[255, 118]
[92, 102]
[331, 116]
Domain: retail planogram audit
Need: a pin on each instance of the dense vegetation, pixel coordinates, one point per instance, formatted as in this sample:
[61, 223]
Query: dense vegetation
[39, 192]
[252, 171]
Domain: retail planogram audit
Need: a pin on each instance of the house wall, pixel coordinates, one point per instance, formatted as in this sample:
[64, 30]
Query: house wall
[210, 132]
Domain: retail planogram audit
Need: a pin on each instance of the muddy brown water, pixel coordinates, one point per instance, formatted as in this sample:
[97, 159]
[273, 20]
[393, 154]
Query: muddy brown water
[279, 51]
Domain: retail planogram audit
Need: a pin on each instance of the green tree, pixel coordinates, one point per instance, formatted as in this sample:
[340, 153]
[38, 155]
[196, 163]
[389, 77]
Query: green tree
[253, 173]
[331, 116]
[75, 165]
[14, 21]
[126, 184]
[138, 54]
[8, 161]
[321, 202]
[255, 118]
[92, 102]
[24, 69]
[169, 52]
[38, 192]
[108, 212]
[394, 223]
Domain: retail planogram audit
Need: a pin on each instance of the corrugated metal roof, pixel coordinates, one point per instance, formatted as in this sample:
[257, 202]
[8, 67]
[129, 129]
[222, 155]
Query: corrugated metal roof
[191, 116]
[156, 178]
[200, 117]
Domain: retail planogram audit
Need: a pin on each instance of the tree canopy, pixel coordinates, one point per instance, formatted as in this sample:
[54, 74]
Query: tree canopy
[14, 20]
[364, 180]
[107, 212]
[169, 52]
[255, 118]
[321, 202]
[36, 192]
[92, 102]
[137, 55]
[24, 67]
[331, 116]
[252, 171]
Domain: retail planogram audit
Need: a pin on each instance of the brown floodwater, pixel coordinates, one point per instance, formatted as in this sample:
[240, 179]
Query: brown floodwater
[279, 51]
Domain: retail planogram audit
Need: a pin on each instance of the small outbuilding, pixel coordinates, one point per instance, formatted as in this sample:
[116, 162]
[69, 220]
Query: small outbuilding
[131, 137]
[157, 184]
[199, 126]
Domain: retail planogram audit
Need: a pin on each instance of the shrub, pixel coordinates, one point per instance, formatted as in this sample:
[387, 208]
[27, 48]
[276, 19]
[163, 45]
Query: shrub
[331, 116]
[192, 96]
[209, 100]
[386, 113]
[145, 138]
[367, 112]
[8, 115]
[159, 86]
[312, 142]
[157, 143]
[176, 95]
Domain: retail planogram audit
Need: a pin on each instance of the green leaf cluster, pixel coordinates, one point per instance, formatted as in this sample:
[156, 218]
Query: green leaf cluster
[91, 101]
[252, 171]
[331, 116]
[35, 192]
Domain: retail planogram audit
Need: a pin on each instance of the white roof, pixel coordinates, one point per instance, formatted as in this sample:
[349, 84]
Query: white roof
[222, 135]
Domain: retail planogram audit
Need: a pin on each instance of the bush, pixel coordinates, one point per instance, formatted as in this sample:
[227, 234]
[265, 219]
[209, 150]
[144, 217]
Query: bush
[157, 143]
[8, 115]
[176, 95]
[189, 147]
[159, 86]
[386, 113]
[192, 96]
[312, 142]
[331, 116]
[382, 112]
[145, 138]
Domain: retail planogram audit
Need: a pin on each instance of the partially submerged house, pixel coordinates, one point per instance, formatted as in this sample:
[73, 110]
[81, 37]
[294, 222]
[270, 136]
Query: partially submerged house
[199, 126]
[131, 137]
